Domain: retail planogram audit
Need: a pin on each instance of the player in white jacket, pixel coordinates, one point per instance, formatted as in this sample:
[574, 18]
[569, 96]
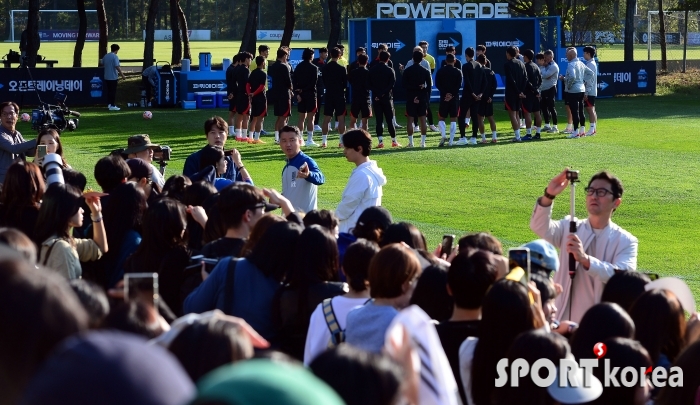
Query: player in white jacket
[591, 80]
[364, 188]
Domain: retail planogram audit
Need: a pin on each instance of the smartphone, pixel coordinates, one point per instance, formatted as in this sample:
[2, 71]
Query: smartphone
[41, 151]
[520, 257]
[446, 246]
[142, 287]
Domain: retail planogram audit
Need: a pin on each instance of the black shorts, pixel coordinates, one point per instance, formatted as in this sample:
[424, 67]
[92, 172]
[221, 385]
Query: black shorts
[513, 102]
[589, 101]
[258, 107]
[416, 109]
[231, 102]
[448, 108]
[360, 106]
[334, 105]
[466, 102]
[283, 105]
[486, 109]
[242, 104]
[574, 98]
[531, 104]
[307, 105]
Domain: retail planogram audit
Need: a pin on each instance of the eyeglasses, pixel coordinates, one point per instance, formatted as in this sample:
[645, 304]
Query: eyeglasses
[600, 192]
[9, 114]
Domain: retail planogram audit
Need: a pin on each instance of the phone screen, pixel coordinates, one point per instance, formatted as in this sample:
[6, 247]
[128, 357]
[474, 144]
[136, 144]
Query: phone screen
[41, 150]
[446, 246]
[520, 258]
[142, 287]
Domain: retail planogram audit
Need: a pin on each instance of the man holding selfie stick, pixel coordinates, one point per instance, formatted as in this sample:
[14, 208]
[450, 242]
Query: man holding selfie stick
[599, 247]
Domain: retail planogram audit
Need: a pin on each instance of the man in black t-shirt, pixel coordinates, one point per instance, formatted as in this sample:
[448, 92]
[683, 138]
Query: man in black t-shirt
[231, 90]
[280, 93]
[448, 81]
[335, 79]
[320, 63]
[471, 274]
[450, 50]
[304, 84]
[416, 79]
[359, 83]
[242, 100]
[382, 79]
[258, 100]
[516, 84]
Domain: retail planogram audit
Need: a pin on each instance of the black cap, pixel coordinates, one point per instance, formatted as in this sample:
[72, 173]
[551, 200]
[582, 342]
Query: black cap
[377, 216]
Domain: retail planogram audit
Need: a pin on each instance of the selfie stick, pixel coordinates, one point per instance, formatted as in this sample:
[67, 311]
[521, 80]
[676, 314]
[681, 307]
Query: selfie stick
[572, 226]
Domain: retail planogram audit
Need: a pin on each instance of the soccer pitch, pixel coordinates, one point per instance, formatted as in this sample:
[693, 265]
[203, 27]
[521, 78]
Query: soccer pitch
[649, 142]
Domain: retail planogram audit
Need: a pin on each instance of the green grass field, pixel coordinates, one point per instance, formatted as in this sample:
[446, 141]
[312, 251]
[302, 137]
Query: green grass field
[649, 142]
[63, 51]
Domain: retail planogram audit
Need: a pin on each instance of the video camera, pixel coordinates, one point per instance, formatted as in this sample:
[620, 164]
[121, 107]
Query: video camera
[161, 156]
[55, 116]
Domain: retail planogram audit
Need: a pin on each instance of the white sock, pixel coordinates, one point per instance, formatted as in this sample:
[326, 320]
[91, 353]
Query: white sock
[381, 139]
[422, 138]
[410, 139]
[309, 136]
[493, 135]
[593, 125]
[324, 138]
[238, 133]
[483, 136]
[529, 131]
[393, 121]
[537, 130]
[517, 134]
[277, 136]
[336, 125]
[467, 120]
[555, 127]
[245, 133]
[453, 130]
[441, 124]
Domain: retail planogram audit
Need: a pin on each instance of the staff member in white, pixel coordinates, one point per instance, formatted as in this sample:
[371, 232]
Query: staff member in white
[600, 247]
[364, 188]
[574, 85]
[591, 80]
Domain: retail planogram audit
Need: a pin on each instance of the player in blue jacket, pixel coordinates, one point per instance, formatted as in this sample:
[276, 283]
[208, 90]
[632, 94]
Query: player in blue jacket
[301, 175]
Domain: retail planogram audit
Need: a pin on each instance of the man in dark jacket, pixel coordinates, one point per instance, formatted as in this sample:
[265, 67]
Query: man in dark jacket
[416, 79]
[448, 81]
[335, 79]
[304, 84]
[516, 84]
[474, 86]
[382, 79]
[486, 105]
[241, 75]
[280, 95]
[320, 63]
[531, 102]
[359, 82]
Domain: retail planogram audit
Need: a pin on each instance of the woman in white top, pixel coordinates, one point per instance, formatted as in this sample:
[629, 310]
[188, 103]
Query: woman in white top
[355, 267]
[506, 312]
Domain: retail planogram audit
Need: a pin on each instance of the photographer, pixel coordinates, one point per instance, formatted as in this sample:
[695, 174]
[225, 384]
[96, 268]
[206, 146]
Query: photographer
[216, 130]
[599, 246]
[12, 145]
[140, 146]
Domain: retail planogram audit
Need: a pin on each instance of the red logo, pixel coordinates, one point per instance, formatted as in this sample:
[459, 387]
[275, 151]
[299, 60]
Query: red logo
[599, 349]
[648, 370]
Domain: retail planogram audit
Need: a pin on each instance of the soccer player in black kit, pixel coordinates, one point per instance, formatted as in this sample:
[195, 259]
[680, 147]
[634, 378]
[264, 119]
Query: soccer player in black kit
[448, 80]
[231, 90]
[516, 83]
[240, 75]
[258, 101]
[531, 102]
[382, 79]
[486, 104]
[473, 91]
[304, 83]
[416, 79]
[450, 50]
[280, 93]
[335, 79]
[320, 63]
[359, 82]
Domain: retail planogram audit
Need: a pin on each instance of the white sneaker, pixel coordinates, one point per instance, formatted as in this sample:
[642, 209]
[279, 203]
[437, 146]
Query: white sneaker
[416, 129]
[462, 141]
[568, 130]
[591, 132]
[410, 145]
[472, 141]
[311, 144]
[422, 144]
[114, 108]
[552, 130]
[317, 128]
[522, 124]
[397, 125]
[546, 128]
[572, 135]
[434, 128]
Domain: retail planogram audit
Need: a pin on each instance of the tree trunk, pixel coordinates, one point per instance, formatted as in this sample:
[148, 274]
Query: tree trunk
[288, 23]
[33, 30]
[249, 41]
[82, 31]
[334, 14]
[630, 5]
[150, 34]
[326, 19]
[176, 55]
[104, 29]
[662, 36]
[187, 53]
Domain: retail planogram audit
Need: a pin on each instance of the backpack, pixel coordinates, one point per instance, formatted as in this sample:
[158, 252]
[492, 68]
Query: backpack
[337, 334]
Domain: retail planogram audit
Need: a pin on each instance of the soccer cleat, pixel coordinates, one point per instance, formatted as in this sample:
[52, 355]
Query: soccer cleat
[410, 145]
[483, 141]
[380, 145]
[442, 142]
[572, 135]
[552, 130]
[494, 140]
[395, 144]
[471, 141]
[258, 141]
[537, 136]
[581, 132]
[240, 139]
[516, 140]
[416, 129]
[522, 124]
[114, 108]
[434, 128]
[397, 125]
[546, 128]
[311, 144]
[527, 138]
[591, 132]
[323, 145]
[317, 128]
[422, 144]
[568, 130]
[462, 141]
[250, 140]
[263, 132]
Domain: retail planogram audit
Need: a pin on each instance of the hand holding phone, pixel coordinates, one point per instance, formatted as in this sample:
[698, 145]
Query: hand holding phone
[142, 287]
[446, 245]
[41, 151]
[520, 258]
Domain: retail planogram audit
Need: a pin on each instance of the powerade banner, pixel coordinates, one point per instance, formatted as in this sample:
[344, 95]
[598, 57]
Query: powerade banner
[67, 35]
[82, 86]
[497, 36]
[616, 78]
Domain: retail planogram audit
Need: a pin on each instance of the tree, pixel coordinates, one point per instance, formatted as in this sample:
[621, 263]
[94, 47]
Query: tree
[249, 41]
[176, 56]
[82, 32]
[150, 34]
[185, 32]
[629, 30]
[662, 36]
[33, 32]
[104, 29]
[334, 14]
[288, 23]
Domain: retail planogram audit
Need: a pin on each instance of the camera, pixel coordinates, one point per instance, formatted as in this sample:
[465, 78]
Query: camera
[162, 155]
[53, 168]
[56, 116]
[572, 175]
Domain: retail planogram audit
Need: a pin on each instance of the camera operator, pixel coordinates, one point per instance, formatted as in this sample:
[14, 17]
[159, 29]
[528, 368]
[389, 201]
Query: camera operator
[216, 130]
[600, 247]
[13, 147]
[140, 146]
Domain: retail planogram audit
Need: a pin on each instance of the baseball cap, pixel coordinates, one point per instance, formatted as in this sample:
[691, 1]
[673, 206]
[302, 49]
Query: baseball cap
[263, 381]
[139, 143]
[377, 216]
[139, 168]
[575, 393]
[543, 254]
